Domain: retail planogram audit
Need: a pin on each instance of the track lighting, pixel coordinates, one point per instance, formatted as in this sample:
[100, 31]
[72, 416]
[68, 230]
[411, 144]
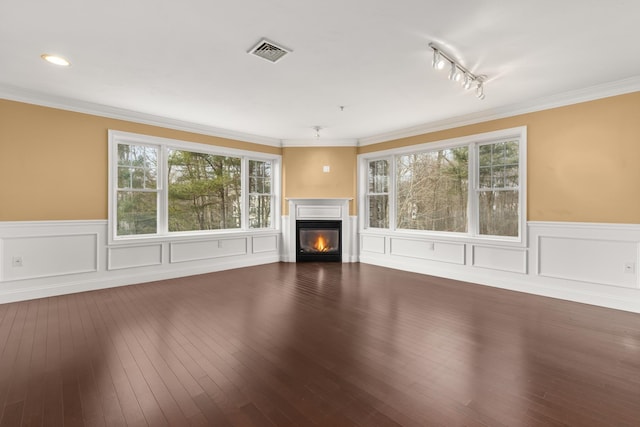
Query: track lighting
[457, 72]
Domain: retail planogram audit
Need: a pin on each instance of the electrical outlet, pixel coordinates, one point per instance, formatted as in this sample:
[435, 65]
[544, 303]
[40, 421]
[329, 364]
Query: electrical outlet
[630, 267]
[16, 261]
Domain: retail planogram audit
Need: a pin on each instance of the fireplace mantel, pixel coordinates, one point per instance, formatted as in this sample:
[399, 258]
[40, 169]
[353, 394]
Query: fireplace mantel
[322, 209]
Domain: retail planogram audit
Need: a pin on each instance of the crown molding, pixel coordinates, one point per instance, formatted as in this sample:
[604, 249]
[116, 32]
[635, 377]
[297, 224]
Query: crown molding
[592, 93]
[13, 93]
[320, 142]
[606, 90]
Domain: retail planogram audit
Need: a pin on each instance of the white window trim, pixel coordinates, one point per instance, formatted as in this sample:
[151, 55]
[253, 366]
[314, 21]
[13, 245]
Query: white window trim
[472, 141]
[116, 137]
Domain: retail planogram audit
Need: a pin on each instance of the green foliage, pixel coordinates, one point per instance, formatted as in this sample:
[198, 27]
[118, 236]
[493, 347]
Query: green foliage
[259, 194]
[204, 191]
[137, 213]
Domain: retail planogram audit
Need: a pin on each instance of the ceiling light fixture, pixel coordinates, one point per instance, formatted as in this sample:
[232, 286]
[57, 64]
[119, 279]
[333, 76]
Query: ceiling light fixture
[55, 59]
[457, 72]
[317, 129]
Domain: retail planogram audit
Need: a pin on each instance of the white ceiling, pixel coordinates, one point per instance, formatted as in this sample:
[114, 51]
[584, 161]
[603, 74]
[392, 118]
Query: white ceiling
[187, 60]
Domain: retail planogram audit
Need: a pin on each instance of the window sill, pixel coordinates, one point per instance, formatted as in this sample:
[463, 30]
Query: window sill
[191, 236]
[447, 237]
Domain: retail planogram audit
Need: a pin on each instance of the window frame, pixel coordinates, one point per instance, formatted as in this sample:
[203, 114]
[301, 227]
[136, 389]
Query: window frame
[164, 145]
[473, 231]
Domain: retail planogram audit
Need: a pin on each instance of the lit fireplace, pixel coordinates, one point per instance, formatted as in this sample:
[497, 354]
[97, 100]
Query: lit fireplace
[318, 241]
[321, 244]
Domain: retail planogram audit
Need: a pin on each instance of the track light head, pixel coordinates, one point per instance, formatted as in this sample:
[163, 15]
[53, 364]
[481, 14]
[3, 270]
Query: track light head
[467, 82]
[480, 90]
[438, 60]
[455, 73]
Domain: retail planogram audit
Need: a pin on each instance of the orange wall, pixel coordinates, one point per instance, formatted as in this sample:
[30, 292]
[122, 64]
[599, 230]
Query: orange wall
[53, 163]
[583, 160]
[303, 176]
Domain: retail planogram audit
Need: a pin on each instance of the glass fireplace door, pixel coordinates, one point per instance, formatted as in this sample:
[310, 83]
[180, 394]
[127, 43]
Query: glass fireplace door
[318, 241]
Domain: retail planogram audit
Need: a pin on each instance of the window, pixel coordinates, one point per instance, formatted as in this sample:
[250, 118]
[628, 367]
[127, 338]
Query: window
[469, 186]
[137, 190]
[161, 186]
[378, 194]
[260, 194]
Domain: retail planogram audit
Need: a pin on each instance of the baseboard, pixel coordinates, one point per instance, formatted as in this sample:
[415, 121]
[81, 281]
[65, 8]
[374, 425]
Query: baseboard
[106, 281]
[616, 298]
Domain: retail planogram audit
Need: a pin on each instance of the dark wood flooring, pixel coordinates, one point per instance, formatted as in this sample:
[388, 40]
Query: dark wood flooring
[316, 345]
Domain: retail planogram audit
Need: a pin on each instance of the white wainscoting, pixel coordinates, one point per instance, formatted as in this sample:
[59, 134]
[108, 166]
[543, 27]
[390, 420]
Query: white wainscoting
[40, 256]
[591, 260]
[589, 263]
[60, 257]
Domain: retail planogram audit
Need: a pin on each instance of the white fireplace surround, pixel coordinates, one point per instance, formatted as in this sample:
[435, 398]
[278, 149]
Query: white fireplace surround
[318, 209]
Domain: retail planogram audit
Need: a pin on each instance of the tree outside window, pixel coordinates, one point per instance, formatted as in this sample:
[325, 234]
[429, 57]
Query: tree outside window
[137, 190]
[204, 191]
[260, 194]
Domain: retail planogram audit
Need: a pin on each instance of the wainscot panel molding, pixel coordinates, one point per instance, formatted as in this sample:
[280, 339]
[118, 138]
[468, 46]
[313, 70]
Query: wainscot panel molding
[497, 258]
[588, 263]
[207, 249]
[134, 256]
[428, 250]
[47, 258]
[261, 244]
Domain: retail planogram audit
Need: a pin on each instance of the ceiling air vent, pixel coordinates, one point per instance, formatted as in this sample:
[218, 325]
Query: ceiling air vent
[269, 51]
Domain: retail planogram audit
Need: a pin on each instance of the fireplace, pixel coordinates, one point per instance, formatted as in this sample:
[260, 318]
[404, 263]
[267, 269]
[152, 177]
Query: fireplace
[314, 215]
[318, 240]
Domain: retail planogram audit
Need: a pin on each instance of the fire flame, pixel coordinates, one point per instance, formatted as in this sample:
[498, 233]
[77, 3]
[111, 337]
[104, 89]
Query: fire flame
[321, 244]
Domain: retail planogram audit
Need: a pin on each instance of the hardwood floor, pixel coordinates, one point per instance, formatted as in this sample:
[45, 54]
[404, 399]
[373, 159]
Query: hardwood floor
[316, 345]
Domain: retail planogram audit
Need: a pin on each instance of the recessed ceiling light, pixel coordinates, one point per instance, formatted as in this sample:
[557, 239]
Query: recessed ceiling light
[54, 59]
